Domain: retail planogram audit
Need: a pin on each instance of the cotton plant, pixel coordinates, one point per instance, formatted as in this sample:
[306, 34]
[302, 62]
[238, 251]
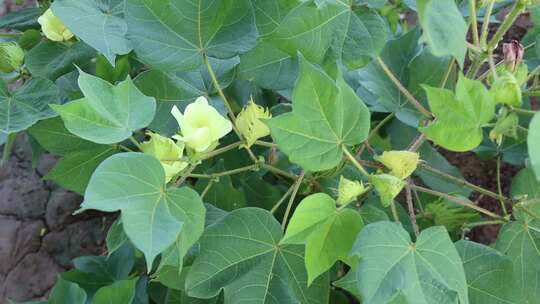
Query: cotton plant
[169, 153]
[53, 28]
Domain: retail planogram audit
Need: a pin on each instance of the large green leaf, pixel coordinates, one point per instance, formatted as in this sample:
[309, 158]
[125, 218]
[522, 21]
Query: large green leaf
[444, 28]
[241, 254]
[120, 292]
[525, 185]
[108, 114]
[326, 115]
[270, 13]
[520, 241]
[174, 34]
[392, 267]
[153, 216]
[327, 232]
[74, 170]
[65, 292]
[99, 23]
[490, 274]
[26, 105]
[55, 138]
[533, 143]
[460, 116]
[51, 59]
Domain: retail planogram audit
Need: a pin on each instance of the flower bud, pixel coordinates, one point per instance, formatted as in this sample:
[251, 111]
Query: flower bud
[388, 187]
[513, 54]
[249, 122]
[201, 126]
[505, 126]
[167, 152]
[348, 190]
[11, 57]
[401, 163]
[53, 28]
[507, 90]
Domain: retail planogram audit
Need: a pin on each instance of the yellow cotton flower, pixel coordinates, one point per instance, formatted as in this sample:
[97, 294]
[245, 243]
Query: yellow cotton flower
[201, 125]
[348, 190]
[401, 163]
[249, 122]
[53, 28]
[166, 151]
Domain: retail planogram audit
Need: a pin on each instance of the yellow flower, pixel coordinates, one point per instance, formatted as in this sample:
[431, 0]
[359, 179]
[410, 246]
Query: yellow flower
[249, 122]
[53, 28]
[166, 151]
[348, 190]
[401, 163]
[201, 125]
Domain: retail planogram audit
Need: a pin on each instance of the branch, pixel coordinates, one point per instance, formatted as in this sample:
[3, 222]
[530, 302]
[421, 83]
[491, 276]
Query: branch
[410, 206]
[291, 200]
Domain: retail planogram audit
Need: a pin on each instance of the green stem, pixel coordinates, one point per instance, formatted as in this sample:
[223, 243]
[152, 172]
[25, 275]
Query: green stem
[482, 223]
[282, 199]
[279, 171]
[354, 161]
[8, 147]
[136, 143]
[448, 72]
[10, 35]
[463, 202]
[291, 200]
[524, 111]
[462, 182]
[227, 104]
[485, 25]
[410, 205]
[394, 212]
[499, 186]
[221, 150]
[207, 188]
[474, 22]
[265, 144]
[505, 26]
[374, 132]
[225, 173]
[403, 90]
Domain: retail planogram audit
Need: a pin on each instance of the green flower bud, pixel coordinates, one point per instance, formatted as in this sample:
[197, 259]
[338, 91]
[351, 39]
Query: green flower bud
[348, 190]
[11, 57]
[506, 90]
[388, 187]
[250, 124]
[505, 126]
[401, 163]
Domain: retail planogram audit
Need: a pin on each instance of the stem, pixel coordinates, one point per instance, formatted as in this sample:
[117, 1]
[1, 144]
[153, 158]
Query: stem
[374, 132]
[221, 150]
[482, 223]
[524, 111]
[122, 147]
[279, 171]
[499, 187]
[355, 161]
[225, 173]
[291, 200]
[394, 212]
[448, 72]
[265, 144]
[410, 206]
[474, 22]
[505, 26]
[492, 66]
[473, 47]
[282, 199]
[227, 104]
[485, 25]
[8, 146]
[207, 188]
[462, 202]
[403, 90]
[463, 182]
[417, 143]
[185, 176]
[135, 142]
[10, 35]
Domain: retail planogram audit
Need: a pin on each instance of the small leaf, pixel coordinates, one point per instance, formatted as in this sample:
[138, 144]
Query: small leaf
[108, 114]
[391, 266]
[459, 116]
[533, 143]
[326, 115]
[490, 274]
[444, 28]
[99, 24]
[388, 187]
[26, 105]
[241, 255]
[153, 216]
[120, 292]
[401, 163]
[327, 232]
[65, 292]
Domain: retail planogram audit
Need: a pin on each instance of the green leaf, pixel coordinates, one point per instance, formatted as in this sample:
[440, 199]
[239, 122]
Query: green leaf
[100, 24]
[153, 216]
[116, 237]
[120, 292]
[327, 232]
[460, 116]
[52, 135]
[241, 254]
[21, 19]
[26, 105]
[520, 240]
[108, 114]
[490, 274]
[533, 143]
[51, 59]
[391, 266]
[444, 28]
[269, 14]
[326, 115]
[173, 34]
[526, 187]
[65, 292]
[74, 170]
